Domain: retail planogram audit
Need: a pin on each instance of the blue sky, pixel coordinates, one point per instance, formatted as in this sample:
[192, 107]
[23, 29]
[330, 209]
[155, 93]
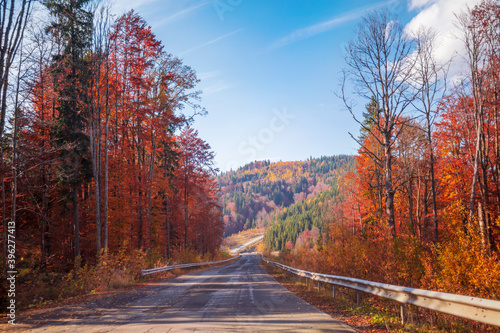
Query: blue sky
[270, 69]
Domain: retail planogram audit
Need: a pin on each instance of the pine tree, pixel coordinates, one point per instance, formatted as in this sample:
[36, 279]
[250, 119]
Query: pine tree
[72, 28]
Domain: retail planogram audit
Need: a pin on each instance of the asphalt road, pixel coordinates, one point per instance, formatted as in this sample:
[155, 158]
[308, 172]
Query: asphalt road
[237, 297]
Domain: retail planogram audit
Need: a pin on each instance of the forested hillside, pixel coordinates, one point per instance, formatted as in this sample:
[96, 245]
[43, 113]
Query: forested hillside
[250, 194]
[301, 224]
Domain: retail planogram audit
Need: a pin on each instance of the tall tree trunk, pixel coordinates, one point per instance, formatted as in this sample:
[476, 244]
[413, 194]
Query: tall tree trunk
[425, 211]
[106, 159]
[4, 212]
[496, 173]
[485, 200]
[76, 213]
[186, 215]
[474, 184]
[482, 226]
[14, 149]
[380, 194]
[150, 192]
[45, 241]
[417, 209]
[167, 222]
[95, 149]
[410, 206]
[140, 231]
[433, 196]
[433, 179]
[389, 191]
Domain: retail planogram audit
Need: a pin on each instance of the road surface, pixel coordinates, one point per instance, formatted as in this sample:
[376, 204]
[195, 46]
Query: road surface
[237, 297]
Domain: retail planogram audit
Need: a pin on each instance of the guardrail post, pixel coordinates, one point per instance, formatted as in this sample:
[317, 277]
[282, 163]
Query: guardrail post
[403, 313]
[307, 282]
[319, 286]
[358, 297]
[333, 291]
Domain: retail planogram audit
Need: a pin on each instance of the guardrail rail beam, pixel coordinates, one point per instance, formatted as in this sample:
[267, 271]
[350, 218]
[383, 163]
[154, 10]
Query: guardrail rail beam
[482, 310]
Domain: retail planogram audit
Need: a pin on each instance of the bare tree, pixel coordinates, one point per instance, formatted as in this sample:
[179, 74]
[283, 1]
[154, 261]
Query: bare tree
[474, 24]
[409, 150]
[13, 19]
[430, 80]
[98, 95]
[380, 66]
[41, 49]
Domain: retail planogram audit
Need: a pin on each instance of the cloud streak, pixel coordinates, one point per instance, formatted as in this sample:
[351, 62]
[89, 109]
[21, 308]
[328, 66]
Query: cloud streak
[313, 30]
[123, 6]
[208, 75]
[181, 13]
[213, 41]
[216, 88]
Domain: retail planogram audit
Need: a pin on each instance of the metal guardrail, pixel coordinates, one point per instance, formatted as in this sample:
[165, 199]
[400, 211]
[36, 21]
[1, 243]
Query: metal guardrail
[168, 268]
[478, 309]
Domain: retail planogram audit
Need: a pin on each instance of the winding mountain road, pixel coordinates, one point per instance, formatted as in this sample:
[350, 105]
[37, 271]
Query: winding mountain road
[237, 297]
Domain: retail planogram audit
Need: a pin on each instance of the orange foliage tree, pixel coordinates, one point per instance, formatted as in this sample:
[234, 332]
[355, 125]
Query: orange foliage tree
[132, 110]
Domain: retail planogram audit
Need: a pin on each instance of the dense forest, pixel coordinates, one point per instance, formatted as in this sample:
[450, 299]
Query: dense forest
[99, 161]
[251, 194]
[422, 206]
[301, 224]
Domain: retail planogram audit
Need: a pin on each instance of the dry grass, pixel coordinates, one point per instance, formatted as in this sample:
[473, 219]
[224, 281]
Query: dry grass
[241, 237]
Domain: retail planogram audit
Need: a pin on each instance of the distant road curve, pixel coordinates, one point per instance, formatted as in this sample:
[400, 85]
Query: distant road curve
[237, 297]
[239, 248]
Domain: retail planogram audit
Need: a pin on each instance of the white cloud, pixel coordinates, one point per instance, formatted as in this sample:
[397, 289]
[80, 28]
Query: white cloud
[440, 16]
[416, 4]
[313, 30]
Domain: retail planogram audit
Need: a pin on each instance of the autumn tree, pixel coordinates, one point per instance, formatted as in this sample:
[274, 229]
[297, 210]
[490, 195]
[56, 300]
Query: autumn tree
[380, 65]
[134, 51]
[480, 27]
[196, 167]
[98, 113]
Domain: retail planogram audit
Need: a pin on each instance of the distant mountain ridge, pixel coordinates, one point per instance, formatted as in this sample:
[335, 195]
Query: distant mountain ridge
[251, 193]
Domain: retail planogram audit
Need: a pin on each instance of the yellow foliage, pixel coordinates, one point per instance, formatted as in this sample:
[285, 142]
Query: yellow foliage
[459, 264]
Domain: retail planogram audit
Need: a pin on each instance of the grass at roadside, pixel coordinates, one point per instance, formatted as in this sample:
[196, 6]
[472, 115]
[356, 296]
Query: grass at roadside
[241, 238]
